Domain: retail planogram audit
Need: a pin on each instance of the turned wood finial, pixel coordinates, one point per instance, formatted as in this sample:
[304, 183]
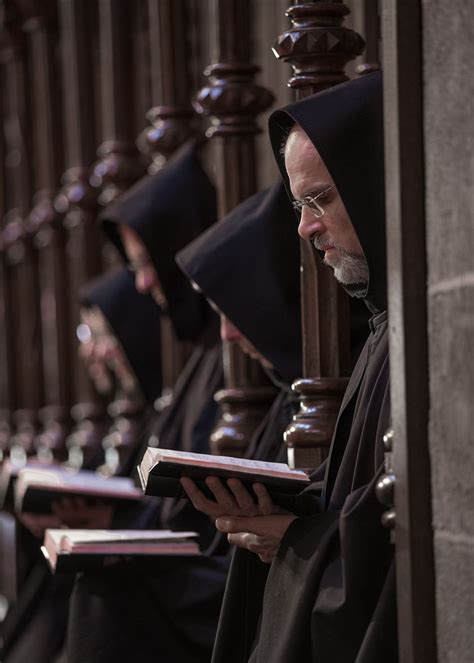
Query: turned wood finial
[318, 46]
[233, 99]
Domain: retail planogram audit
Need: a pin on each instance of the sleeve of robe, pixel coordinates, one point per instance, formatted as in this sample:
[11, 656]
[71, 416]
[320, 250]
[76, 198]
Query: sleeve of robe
[330, 592]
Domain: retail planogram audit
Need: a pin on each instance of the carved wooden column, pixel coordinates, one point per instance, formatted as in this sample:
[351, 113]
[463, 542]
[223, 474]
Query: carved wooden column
[318, 47]
[233, 100]
[172, 121]
[371, 31]
[45, 227]
[5, 401]
[76, 203]
[22, 300]
[119, 162]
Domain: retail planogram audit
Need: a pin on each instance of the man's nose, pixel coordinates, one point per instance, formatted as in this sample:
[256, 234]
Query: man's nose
[310, 225]
[229, 332]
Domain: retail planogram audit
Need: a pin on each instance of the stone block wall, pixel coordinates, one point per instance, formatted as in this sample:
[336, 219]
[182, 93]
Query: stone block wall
[448, 35]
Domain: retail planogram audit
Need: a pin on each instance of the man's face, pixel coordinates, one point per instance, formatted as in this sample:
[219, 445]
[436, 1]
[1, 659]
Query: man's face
[104, 354]
[332, 232]
[89, 333]
[146, 278]
[231, 334]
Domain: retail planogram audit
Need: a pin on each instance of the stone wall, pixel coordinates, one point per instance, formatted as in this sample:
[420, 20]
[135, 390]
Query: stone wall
[448, 33]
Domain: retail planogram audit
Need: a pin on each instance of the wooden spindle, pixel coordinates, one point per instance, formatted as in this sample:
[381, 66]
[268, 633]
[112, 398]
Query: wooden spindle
[22, 297]
[76, 203]
[47, 232]
[371, 30]
[119, 164]
[318, 47]
[5, 398]
[233, 100]
[172, 121]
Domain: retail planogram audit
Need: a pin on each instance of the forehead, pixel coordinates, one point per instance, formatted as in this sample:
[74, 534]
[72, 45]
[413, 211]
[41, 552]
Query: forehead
[303, 163]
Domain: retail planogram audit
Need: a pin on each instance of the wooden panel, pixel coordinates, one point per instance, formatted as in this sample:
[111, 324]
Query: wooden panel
[402, 66]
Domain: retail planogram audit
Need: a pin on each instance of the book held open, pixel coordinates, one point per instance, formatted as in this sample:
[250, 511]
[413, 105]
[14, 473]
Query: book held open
[36, 488]
[161, 469]
[76, 549]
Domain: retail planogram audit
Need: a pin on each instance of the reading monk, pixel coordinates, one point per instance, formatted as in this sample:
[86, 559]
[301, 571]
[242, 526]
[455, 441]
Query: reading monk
[329, 595]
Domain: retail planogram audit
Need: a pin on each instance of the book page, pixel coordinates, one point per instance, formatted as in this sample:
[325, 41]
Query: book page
[84, 481]
[154, 456]
[122, 536]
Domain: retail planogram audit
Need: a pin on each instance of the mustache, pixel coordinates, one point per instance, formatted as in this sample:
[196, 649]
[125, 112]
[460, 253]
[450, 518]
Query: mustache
[322, 242]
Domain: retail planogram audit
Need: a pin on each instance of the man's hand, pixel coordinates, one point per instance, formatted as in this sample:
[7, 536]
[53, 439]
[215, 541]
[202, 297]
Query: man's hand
[232, 498]
[261, 535]
[77, 514]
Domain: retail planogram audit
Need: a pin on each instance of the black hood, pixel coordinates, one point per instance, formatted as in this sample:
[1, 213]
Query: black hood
[168, 210]
[345, 124]
[135, 321]
[248, 265]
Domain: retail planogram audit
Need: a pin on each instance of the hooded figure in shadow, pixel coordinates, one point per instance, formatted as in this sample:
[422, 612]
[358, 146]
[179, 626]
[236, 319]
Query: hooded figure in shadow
[34, 629]
[168, 610]
[133, 350]
[330, 591]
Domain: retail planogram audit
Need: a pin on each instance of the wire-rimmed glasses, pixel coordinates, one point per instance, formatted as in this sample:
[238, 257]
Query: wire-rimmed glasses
[312, 202]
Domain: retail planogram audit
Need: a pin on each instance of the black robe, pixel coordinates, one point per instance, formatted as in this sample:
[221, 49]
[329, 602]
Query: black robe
[330, 593]
[35, 626]
[169, 611]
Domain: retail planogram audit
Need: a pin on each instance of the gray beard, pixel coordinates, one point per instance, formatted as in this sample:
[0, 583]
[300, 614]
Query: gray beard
[352, 271]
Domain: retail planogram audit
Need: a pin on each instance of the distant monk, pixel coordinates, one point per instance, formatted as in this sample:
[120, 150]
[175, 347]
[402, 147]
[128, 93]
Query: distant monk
[330, 592]
[168, 611]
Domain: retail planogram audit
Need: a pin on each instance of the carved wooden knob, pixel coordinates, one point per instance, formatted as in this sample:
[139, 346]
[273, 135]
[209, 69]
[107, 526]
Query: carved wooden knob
[317, 45]
[233, 98]
[385, 489]
[388, 441]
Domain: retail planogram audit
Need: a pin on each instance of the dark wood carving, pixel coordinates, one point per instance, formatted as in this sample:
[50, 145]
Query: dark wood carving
[46, 230]
[5, 402]
[233, 100]
[172, 121]
[119, 162]
[172, 118]
[22, 296]
[120, 442]
[372, 37]
[318, 46]
[76, 205]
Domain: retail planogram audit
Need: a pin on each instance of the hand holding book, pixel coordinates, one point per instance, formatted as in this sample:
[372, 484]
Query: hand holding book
[256, 526]
[231, 498]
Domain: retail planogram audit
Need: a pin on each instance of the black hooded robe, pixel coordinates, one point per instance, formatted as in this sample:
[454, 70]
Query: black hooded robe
[36, 626]
[330, 594]
[170, 612]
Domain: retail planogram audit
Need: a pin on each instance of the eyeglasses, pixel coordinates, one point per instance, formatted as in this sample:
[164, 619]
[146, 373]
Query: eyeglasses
[312, 203]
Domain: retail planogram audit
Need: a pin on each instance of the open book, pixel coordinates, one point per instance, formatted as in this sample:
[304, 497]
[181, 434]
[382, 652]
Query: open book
[161, 469]
[36, 488]
[78, 549]
[9, 474]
